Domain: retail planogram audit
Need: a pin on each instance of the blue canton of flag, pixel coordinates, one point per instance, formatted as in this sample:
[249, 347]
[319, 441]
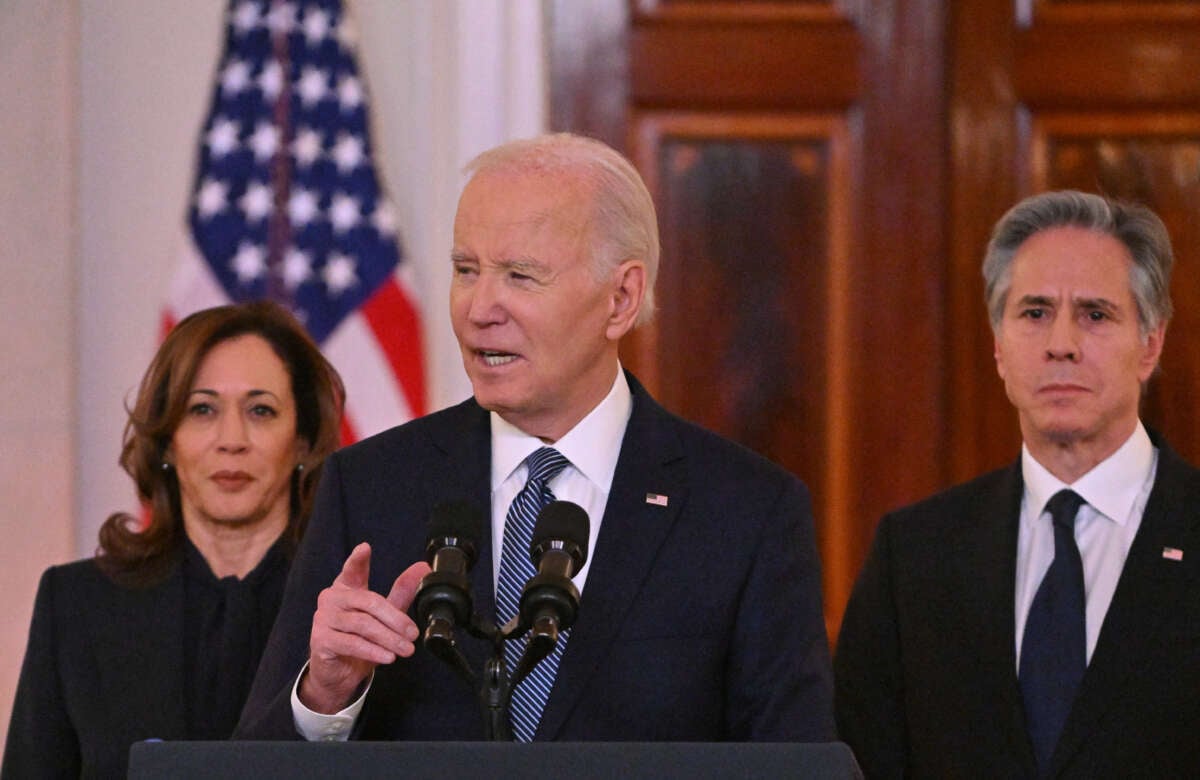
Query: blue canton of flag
[287, 204]
[289, 119]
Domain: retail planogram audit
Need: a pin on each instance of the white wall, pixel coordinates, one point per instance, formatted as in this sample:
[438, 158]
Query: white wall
[37, 311]
[145, 75]
[102, 105]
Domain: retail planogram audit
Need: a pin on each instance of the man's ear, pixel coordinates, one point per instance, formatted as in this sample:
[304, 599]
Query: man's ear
[1151, 351]
[628, 288]
[997, 354]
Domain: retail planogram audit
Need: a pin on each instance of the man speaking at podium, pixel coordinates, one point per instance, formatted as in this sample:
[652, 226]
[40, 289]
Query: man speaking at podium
[701, 618]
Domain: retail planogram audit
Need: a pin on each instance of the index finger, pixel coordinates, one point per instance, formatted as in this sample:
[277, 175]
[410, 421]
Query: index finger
[357, 568]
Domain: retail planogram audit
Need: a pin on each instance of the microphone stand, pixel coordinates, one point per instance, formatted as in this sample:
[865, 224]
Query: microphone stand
[494, 686]
[495, 693]
[548, 599]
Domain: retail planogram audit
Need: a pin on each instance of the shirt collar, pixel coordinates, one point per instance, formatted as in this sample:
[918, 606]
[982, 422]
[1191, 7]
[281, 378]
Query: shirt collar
[592, 446]
[1110, 488]
[197, 568]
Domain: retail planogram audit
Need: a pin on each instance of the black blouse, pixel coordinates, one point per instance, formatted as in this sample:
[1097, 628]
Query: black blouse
[226, 624]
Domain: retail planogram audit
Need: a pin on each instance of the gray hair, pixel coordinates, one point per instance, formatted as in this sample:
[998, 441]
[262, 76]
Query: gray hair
[1134, 225]
[625, 225]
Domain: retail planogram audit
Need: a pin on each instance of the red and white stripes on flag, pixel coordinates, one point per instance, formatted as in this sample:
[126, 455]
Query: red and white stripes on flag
[287, 205]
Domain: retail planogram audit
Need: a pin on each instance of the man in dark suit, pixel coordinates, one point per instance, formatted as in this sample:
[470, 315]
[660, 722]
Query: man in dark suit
[1042, 620]
[700, 616]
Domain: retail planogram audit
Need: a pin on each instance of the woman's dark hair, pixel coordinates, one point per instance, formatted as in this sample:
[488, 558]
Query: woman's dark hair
[137, 552]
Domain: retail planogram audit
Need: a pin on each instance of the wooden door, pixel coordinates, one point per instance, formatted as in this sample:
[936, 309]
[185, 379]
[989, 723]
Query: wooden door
[827, 174]
[1094, 95]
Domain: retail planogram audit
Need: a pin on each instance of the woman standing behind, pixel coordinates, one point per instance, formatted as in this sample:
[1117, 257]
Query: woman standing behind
[159, 635]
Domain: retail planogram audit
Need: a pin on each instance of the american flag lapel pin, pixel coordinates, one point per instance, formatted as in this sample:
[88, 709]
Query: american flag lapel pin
[1173, 553]
[656, 498]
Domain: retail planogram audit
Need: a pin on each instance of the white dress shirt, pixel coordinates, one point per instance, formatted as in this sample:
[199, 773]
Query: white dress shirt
[1116, 491]
[592, 447]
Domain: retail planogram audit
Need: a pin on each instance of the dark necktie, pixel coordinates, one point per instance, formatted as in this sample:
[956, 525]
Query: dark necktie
[1054, 649]
[515, 570]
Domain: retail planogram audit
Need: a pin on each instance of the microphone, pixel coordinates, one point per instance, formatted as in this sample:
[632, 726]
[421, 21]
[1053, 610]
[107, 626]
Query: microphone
[443, 598]
[559, 548]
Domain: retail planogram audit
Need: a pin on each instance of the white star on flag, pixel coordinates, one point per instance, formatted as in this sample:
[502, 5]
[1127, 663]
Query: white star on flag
[297, 268]
[316, 27]
[302, 207]
[270, 81]
[347, 153]
[245, 17]
[235, 78]
[210, 200]
[339, 273]
[343, 212]
[257, 202]
[314, 84]
[350, 93]
[384, 218]
[264, 141]
[281, 18]
[249, 263]
[307, 146]
[223, 137]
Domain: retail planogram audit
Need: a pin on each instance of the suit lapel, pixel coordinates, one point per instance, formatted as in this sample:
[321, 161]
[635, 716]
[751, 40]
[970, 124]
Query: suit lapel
[1147, 592]
[651, 461]
[139, 651]
[988, 574]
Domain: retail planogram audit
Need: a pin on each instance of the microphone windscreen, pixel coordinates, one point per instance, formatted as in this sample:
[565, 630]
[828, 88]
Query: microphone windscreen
[456, 519]
[562, 521]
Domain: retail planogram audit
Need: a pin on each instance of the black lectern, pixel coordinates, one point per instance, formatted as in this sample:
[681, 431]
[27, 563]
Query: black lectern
[445, 760]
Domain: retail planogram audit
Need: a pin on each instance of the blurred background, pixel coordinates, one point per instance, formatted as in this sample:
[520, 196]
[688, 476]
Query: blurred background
[826, 175]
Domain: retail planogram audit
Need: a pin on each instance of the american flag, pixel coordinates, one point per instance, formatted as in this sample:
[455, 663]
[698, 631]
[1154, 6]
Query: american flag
[657, 499]
[286, 205]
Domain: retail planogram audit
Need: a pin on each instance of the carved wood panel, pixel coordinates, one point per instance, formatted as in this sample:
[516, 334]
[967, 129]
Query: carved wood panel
[1097, 96]
[878, 385]
[796, 154]
[750, 340]
[737, 9]
[1153, 159]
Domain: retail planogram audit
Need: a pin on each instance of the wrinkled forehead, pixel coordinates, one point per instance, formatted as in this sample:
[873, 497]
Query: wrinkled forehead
[523, 205]
[1072, 261]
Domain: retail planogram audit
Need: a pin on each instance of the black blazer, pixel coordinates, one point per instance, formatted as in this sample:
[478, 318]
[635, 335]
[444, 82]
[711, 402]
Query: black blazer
[701, 620]
[926, 661]
[103, 669]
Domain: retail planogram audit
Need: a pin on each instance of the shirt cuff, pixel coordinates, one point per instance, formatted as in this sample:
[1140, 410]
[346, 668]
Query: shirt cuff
[318, 727]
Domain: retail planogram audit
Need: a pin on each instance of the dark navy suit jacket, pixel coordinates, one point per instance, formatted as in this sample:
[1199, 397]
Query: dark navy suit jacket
[103, 669]
[701, 619]
[926, 661]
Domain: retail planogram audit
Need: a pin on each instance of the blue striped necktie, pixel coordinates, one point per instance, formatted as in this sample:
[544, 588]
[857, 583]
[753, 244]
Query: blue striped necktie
[515, 570]
[1054, 649]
